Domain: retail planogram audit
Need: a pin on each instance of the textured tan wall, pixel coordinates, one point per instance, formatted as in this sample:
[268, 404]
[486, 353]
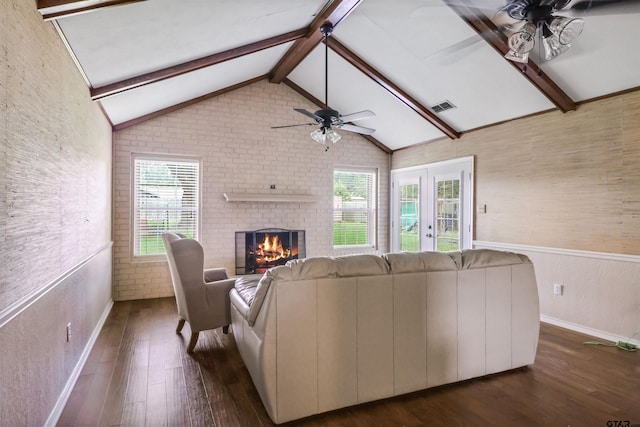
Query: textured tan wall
[240, 153]
[556, 180]
[55, 197]
[56, 152]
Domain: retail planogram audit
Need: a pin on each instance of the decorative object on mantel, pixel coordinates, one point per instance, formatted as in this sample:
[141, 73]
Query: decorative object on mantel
[268, 197]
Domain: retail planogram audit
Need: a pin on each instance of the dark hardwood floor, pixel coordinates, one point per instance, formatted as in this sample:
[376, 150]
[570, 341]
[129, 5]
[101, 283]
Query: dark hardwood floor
[139, 374]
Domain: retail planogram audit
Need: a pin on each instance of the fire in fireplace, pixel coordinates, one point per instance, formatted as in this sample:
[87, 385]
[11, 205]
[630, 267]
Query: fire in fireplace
[259, 250]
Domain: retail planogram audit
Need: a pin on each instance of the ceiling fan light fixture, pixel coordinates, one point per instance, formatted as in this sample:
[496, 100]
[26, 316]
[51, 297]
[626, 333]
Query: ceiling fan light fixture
[523, 41]
[323, 135]
[333, 136]
[567, 29]
[514, 56]
[319, 136]
[553, 47]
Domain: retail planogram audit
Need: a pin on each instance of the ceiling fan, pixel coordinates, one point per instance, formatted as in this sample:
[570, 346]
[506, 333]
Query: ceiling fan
[328, 117]
[524, 19]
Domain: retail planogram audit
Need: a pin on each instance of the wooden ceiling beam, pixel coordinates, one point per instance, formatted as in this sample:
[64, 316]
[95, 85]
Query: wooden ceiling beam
[207, 61]
[320, 104]
[334, 12]
[54, 9]
[496, 39]
[392, 88]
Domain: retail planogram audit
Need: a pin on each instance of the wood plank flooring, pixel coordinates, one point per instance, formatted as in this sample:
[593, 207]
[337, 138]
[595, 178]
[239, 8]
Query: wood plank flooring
[138, 374]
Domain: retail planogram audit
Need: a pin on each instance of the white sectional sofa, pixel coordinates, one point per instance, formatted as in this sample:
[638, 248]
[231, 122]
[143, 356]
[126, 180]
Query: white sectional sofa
[325, 333]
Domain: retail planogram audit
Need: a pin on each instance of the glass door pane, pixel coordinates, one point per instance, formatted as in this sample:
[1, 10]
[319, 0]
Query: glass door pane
[431, 207]
[409, 217]
[407, 211]
[448, 215]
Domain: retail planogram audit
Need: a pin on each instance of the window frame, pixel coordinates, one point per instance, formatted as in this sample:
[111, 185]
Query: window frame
[134, 211]
[371, 211]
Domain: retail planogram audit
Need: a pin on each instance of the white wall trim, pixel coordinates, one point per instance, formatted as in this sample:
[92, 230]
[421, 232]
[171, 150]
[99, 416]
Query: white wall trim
[55, 414]
[557, 251]
[569, 253]
[27, 301]
[586, 330]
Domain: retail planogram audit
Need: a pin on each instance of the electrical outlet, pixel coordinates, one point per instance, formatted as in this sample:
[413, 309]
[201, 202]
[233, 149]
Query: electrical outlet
[69, 332]
[557, 289]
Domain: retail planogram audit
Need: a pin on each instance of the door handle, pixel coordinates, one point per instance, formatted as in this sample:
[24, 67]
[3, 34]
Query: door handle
[429, 235]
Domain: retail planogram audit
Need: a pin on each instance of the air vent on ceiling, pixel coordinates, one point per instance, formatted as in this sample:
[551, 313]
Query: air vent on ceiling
[443, 106]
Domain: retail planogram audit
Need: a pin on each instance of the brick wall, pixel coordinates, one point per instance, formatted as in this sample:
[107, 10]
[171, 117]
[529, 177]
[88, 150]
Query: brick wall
[240, 153]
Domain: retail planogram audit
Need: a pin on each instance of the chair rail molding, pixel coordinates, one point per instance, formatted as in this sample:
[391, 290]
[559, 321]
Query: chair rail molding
[25, 302]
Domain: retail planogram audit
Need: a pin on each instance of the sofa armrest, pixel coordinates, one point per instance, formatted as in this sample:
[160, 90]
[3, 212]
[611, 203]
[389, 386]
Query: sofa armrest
[239, 303]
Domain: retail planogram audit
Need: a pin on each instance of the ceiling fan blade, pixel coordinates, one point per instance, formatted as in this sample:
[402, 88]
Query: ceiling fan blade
[357, 116]
[446, 52]
[604, 7]
[291, 126]
[357, 129]
[309, 114]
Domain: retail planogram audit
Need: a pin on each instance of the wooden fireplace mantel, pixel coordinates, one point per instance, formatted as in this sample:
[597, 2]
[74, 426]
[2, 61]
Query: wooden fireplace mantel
[269, 197]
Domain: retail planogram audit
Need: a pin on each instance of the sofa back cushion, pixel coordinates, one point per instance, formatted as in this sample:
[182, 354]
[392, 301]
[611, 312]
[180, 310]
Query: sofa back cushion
[307, 268]
[324, 267]
[360, 265]
[480, 258]
[411, 262]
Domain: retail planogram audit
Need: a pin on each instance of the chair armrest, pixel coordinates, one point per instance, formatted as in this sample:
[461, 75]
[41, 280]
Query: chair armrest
[223, 286]
[217, 293]
[215, 274]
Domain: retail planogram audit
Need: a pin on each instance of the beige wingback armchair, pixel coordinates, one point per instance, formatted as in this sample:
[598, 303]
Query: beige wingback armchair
[202, 295]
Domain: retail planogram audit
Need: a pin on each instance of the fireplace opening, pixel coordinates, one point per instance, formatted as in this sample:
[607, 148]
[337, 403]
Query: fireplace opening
[259, 250]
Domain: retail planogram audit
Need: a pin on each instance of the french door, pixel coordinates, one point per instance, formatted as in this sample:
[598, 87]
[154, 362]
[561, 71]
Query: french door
[431, 207]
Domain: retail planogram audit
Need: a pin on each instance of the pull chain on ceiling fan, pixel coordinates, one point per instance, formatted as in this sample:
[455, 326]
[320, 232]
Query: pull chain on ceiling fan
[327, 117]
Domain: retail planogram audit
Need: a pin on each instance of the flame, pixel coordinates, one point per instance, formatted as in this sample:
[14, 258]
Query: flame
[271, 249]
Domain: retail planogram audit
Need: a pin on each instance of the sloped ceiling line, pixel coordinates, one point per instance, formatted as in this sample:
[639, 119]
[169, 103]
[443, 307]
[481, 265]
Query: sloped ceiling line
[334, 12]
[391, 87]
[53, 9]
[186, 67]
[184, 104]
[490, 33]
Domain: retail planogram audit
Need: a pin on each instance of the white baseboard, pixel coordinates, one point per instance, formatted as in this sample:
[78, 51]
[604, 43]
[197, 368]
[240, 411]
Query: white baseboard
[586, 330]
[55, 414]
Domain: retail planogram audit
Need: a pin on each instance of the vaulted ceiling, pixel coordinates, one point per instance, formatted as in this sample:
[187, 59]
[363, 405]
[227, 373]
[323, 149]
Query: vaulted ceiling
[399, 59]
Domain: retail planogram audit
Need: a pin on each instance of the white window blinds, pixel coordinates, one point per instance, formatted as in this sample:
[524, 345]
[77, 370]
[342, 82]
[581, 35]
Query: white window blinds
[165, 198]
[354, 208]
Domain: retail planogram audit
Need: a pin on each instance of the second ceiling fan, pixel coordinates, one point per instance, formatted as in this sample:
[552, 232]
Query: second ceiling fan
[328, 117]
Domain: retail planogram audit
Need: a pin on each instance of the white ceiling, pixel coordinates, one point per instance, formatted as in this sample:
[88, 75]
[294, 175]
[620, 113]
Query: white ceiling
[414, 44]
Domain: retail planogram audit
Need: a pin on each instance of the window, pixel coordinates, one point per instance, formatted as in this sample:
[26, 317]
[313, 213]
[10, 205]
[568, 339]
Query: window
[166, 196]
[354, 208]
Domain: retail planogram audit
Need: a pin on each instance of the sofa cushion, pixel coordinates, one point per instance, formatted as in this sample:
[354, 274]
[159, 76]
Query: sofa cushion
[360, 265]
[259, 296]
[479, 258]
[411, 262]
[310, 268]
[246, 287]
[345, 266]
